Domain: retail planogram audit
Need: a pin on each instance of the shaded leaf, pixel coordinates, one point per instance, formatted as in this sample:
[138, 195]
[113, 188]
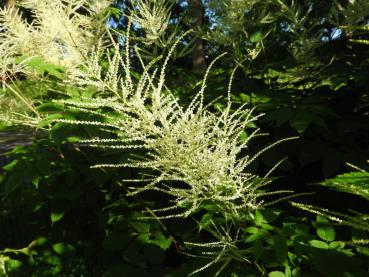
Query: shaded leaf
[63, 249]
[323, 228]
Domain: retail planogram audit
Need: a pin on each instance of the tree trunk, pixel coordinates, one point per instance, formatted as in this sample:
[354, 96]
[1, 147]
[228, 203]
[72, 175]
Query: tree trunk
[198, 56]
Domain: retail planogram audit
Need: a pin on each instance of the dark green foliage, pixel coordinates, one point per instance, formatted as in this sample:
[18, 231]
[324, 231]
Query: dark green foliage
[76, 219]
[354, 182]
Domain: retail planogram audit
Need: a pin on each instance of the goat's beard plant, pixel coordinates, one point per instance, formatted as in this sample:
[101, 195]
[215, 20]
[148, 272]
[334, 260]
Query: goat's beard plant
[193, 155]
[190, 146]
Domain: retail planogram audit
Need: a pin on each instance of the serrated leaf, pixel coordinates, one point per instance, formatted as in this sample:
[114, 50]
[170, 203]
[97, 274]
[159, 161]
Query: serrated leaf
[355, 183]
[41, 66]
[160, 240]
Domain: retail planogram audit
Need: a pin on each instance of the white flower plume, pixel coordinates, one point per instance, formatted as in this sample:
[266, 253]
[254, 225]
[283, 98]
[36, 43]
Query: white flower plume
[59, 33]
[196, 157]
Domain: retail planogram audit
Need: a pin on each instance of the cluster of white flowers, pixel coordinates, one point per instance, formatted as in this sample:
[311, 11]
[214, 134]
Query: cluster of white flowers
[59, 32]
[153, 17]
[198, 157]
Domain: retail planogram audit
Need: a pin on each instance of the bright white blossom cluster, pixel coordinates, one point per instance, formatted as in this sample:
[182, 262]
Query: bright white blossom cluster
[196, 156]
[59, 32]
[152, 16]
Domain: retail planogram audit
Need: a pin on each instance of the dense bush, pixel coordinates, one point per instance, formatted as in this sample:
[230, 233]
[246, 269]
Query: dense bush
[144, 165]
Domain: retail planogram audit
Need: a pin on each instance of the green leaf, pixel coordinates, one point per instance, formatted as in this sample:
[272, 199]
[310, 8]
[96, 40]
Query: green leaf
[41, 241]
[252, 230]
[280, 248]
[296, 272]
[324, 230]
[270, 215]
[334, 263]
[319, 244]
[50, 107]
[160, 240]
[276, 274]
[73, 139]
[156, 238]
[363, 250]
[259, 219]
[49, 119]
[336, 245]
[262, 234]
[56, 216]
[205, 221]
[257, 249]
[267, 226]
[10, 166]
[54, 260]
[39, 64]
[354, 183]
[256, 37]
[63, 249]
[218, 106]
[287, 271]
[141, 227]
[243, 136]
[59, 132]
[13, 265]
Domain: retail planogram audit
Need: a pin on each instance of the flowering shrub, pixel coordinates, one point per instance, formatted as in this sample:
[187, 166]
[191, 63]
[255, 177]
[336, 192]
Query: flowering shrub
[127, 160]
